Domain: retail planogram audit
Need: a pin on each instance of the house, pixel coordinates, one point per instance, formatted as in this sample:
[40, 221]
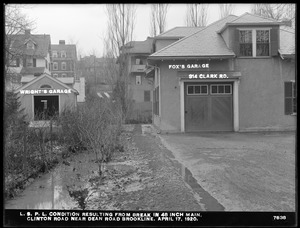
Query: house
[64, 60]
[30, 57]
[140, 80]
[237, 74]
[65, 69]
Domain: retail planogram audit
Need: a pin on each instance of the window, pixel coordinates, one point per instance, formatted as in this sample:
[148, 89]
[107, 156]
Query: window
[146, 95]
[29, 62]
[55, 66]
[220, 89]
[30, 45]
[290, 98]
[254, 42]
[63, 54]
[15, 63]
[55, 75]
[63, 75]
[137, 61]
[262, 42]
[138, 80]
[197, 90]
[246, 43]
[54, 54]
[45, 86]
[63, 66]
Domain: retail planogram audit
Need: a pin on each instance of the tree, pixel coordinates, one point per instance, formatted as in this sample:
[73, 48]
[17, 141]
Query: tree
[275, 11]
[196, 15]
[15, 23]
[226, 9]
[121, 18]
[158, 18]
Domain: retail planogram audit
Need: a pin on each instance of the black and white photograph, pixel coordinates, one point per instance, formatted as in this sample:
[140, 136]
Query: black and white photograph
[153, 114]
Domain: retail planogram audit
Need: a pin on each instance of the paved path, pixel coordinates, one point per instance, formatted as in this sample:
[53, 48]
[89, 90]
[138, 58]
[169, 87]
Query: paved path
[243, 171]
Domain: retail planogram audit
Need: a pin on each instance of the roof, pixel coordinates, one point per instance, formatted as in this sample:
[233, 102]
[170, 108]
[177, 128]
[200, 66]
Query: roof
[32, 70]
[140, 47]
[179, 32]
[35, 79]
[204, 43]
[250, 19]
[42, 44]
[66, 80]
[69, 48]
[287, 41]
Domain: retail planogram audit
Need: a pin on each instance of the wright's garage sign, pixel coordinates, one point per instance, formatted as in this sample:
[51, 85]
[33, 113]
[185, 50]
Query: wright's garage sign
[208, 75]
[45, 91]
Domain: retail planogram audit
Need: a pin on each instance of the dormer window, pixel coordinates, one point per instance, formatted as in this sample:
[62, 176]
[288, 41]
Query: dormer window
[30, 45]
[254, 42]
[262, 42]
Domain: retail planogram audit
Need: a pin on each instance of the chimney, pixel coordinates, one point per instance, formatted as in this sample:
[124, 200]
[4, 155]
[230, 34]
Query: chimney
[27, 32]
[287, 23]
[62, 42]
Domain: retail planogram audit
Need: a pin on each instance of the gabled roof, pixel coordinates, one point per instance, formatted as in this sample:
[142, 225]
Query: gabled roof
[179, 32]
[250, 19]
[287, 42]
[35, 79]
[139, 47]
[205, 43]
[42, 44]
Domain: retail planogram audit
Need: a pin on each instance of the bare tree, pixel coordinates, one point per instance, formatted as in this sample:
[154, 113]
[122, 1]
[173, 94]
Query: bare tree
[16, 23]
[226, 9]
[196, 15]
[121, 21]
[158, 18]
[275, 11]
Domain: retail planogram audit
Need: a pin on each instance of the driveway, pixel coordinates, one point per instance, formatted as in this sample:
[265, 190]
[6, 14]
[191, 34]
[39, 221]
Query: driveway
[242, 171]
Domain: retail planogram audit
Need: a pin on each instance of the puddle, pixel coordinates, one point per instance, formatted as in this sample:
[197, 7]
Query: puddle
[46, 192]
[61, 188]
[203, 197]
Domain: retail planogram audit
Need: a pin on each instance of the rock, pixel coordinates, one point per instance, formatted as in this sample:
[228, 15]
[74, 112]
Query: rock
[66, 163]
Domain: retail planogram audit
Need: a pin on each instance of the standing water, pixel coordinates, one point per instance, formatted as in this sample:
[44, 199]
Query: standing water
[50, 191]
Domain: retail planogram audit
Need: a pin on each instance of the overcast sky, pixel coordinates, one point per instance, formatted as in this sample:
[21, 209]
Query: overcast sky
[85, 24]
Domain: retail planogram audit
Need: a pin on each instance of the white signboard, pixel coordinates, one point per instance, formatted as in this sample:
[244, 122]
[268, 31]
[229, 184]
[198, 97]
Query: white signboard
[45, 91]
[189, 66]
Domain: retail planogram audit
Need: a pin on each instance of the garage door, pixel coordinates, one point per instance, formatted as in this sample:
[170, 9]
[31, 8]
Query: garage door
[45, 107]
[208, 107]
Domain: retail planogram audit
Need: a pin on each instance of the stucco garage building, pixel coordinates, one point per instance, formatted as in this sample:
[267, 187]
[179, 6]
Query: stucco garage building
[237, 74]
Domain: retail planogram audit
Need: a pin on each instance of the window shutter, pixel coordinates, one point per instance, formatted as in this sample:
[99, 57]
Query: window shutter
[24, 62]
[288, 98]
[274, 41]
[18, 62]
[236, 42]
[34, 62]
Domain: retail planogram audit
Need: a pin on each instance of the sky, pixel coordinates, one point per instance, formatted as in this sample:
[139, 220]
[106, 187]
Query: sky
[85, 24]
